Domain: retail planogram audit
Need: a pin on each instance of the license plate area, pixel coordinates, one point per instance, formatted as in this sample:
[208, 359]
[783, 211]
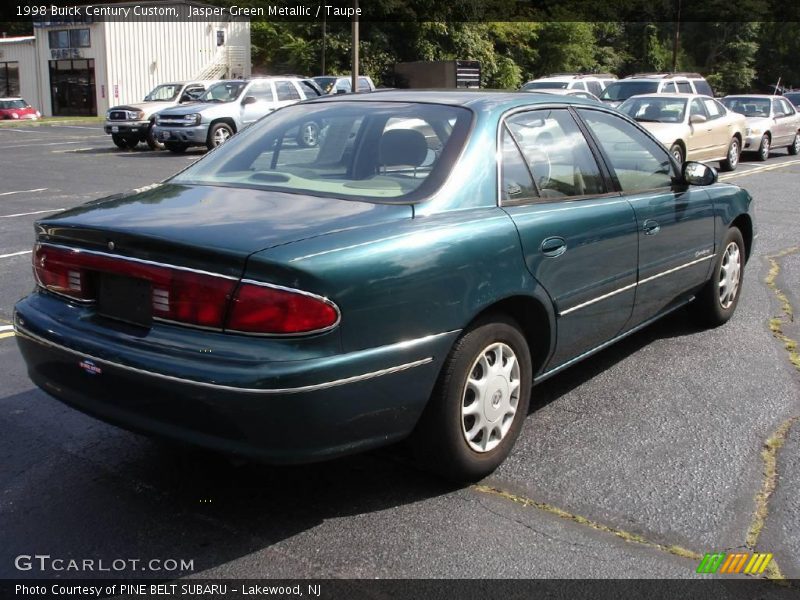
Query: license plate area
[125, 299]
[114, 129]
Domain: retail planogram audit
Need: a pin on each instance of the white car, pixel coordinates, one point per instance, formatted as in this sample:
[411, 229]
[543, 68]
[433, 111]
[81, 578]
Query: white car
[593, 84]
[772, 122]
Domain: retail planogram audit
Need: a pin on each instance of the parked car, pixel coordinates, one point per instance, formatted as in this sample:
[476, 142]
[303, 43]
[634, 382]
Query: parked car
[295, 305]
[693, 127]
[129, 124]
[564, 92]
[793, 97]
[593, 83]
[655, 83]
[231, 105]
[772, 122]
[17, 108]
[332, 84]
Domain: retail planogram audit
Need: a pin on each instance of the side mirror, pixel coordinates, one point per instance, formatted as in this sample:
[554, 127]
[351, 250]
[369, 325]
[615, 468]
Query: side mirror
[697, 119]
[249, 100]
[695, 173]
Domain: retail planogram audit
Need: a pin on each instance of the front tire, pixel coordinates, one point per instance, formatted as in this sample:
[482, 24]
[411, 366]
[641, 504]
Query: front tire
[176, 147]
[734, 152]
[479, 403]
[151, 140]
[717, 301]
[119, 141]
[308, 135]
[794, 148]
[677, 152]
[763, 148]
[218, 135]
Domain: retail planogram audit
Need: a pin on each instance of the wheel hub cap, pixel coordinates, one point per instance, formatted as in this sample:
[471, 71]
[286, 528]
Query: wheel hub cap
[729, 275]
[490, 397]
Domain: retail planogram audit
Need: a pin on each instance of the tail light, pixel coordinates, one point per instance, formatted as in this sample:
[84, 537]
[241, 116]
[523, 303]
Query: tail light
[188, 296]
[268, 309]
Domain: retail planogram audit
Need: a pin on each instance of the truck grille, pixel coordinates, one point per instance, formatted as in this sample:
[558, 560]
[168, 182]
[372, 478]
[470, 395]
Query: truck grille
[174, 122]
[118, 115]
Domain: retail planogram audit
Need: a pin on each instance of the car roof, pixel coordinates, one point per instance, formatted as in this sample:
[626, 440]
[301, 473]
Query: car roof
[671, 95]
[761, 96]
[479, 100]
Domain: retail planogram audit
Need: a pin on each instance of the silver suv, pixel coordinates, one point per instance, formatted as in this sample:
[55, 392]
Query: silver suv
[129, 124]
[655, 83]
[231, 105]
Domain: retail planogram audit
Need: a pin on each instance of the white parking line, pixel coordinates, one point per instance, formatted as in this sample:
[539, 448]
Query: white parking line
[72, 150]
[6, 328]
[18, 130]
[76, 127]
[36, 212]
[787, 163]
[23, 191]
[40, 145]
[20, 253]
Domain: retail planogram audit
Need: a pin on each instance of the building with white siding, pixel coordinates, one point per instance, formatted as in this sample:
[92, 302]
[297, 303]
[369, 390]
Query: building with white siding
[83, 66]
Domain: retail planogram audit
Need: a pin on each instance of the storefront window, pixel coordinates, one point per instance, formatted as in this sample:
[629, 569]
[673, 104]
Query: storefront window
[69, 38]
[9, 79]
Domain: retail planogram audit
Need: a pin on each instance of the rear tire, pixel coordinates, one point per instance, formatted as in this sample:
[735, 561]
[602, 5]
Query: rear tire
[176, 147]
[732, 160]
[717, 301]
[794, 148]
[763, 148]
[119, 141]
[479, 404]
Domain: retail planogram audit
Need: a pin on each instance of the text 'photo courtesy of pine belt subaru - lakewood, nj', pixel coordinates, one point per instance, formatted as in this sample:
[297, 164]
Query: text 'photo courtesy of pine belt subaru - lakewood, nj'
[411, 276]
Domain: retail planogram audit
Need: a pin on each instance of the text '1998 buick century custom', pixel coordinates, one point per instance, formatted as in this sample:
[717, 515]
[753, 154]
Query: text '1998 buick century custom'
[410, 276]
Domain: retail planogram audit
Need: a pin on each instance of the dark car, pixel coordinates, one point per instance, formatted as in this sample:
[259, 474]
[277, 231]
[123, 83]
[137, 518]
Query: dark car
[413, 275]
[793, 97]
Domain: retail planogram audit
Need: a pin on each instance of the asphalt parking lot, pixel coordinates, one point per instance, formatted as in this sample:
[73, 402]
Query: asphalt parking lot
[634, 463]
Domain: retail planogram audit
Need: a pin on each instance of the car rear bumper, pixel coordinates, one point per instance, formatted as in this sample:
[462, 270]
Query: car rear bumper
[301, 411]
[127, 128]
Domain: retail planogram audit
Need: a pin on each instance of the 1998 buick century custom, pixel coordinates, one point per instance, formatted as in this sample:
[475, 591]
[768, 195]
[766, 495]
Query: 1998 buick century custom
[411, 276]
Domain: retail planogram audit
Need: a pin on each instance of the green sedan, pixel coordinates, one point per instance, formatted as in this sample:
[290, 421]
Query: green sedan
[413, 275]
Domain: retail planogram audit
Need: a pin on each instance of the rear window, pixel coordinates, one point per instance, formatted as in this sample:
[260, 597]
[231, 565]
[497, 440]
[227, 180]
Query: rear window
[703, 88]
[748, 106]
[793, 97]
[380, 151]
[622, 90]
[13, 104]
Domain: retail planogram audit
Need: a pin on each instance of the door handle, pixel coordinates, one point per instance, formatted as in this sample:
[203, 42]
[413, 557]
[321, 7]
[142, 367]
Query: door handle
[651, 227]
[554, 246]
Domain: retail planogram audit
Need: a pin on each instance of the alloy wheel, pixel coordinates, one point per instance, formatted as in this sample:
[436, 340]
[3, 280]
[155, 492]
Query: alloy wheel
[220, 135]
[730, 275]
[491, 397]
[733, 154]
[764, 150]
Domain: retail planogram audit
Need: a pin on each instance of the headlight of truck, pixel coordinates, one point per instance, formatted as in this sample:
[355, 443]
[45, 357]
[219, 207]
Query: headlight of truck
[192, 119]
[135, 115]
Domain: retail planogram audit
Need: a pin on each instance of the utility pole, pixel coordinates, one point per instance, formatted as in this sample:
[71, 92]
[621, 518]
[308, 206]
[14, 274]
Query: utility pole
[324, 36]
[355, 47]
[676, 40]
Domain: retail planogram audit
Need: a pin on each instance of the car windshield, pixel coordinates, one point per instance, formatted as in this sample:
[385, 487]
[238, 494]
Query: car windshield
[375, 151]
[163, 93]
[545, 85]
[13, 104]
[749, 107]
[655, 109]
[226, 91]
[622, 90]
[326, 83]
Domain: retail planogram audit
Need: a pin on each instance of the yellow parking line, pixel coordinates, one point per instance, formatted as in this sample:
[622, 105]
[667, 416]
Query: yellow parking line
[787, 163]
[7, 335]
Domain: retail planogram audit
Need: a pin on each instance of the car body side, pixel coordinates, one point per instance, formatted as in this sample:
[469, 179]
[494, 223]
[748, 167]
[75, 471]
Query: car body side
[407, 286]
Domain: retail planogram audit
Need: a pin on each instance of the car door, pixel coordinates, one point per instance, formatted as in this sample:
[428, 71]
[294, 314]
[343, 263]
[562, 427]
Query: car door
[286, 93]
[579, 241]
[263, 101]
[785, 127]
[698, 145]
[675, 222]
[717, 128]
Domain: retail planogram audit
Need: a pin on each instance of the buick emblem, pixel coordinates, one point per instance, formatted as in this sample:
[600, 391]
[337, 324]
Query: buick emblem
[111, 245]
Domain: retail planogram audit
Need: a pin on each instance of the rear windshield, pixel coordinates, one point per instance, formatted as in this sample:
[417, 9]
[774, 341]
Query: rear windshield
[545, 85]
[749, 107]
[380, 151]
[702, 87]
[13, 104]
[622, 90]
